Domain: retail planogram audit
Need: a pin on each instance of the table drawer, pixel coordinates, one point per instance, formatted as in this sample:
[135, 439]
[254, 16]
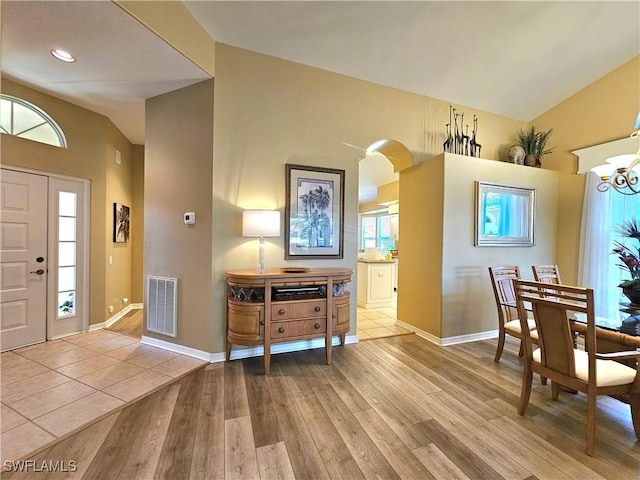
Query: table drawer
[293, 310]
[298, 328]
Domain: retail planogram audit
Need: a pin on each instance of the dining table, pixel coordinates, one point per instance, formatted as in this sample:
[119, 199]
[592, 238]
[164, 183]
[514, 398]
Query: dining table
[613, 334]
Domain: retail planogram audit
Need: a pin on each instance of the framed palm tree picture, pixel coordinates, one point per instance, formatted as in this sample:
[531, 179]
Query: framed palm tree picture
[120, 223]
[314, 212]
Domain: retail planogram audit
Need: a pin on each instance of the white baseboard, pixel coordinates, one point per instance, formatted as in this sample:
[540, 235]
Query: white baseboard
[118, 316]
[245, 352]
[471, 337]
[110, 321]
[287, 347]
[174, 347]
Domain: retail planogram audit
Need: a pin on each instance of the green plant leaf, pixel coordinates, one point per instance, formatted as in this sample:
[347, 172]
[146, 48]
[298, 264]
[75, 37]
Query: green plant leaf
[534, 143]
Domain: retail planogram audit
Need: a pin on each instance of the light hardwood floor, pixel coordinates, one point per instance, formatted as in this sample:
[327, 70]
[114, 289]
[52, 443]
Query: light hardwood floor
[397, 407]
[129, 325]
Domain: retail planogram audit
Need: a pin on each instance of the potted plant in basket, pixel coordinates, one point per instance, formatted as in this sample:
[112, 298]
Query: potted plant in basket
[629, 259]
[534, 144]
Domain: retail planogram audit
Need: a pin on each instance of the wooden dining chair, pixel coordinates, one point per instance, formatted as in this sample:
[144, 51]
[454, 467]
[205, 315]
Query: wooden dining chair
[557, 359]
[502, 278]
[546, 273]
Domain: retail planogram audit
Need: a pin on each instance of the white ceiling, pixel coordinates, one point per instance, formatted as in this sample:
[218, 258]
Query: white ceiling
[512, 58]
[119, 62]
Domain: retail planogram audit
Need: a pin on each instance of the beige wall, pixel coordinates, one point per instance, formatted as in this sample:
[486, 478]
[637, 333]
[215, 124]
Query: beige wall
[601, 112]
[369, 207]
[270, 112]
[137, 225]
[118, 190]
[421, 233]
[389, 192]
[444, 286]
[468, 306]
[92, 141]
[267, 118]
[178, 175]
[386, 194]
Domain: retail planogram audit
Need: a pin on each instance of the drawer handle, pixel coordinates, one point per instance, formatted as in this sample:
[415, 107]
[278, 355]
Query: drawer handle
[316, 326]
[333, 315]
[317, 309]
[261, 322]
[281, 330]
[281, 311]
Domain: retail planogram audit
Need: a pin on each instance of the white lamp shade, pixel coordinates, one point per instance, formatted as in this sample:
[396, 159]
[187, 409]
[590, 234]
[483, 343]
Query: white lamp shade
[605, 170]
[260, 223]
[622, 161]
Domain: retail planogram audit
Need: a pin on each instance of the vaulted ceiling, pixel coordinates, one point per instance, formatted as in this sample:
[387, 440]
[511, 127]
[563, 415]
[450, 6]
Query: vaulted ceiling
[513, 58]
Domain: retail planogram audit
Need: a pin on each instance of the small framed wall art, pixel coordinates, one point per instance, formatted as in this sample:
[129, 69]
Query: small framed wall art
[120, 223]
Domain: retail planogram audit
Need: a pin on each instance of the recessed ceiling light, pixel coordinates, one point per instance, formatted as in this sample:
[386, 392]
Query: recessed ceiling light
[62, 55]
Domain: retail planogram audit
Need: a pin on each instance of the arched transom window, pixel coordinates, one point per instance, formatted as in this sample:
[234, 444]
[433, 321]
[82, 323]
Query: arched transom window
[23, 119]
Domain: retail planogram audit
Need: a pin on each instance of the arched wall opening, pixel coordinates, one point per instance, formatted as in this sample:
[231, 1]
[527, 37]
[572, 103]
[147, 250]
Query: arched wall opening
[379, 252]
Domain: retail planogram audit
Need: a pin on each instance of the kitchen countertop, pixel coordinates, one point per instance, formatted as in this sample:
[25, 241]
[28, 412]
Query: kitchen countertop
[377, 261]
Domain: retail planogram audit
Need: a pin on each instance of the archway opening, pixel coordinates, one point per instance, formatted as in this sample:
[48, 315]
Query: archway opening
[379, 251]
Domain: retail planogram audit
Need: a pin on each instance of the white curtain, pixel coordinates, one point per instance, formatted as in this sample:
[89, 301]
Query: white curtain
[597, 268]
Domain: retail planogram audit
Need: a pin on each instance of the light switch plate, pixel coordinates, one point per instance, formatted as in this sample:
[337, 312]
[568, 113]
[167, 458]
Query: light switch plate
[189, 218]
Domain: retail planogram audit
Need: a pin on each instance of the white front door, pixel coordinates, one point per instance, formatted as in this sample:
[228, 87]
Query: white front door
[23, 259]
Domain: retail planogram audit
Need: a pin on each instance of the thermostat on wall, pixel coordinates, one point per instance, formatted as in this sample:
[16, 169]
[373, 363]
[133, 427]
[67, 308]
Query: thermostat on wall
[190, 218]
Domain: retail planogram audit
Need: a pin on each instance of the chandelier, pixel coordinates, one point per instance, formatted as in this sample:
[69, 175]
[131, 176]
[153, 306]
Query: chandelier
[622, 172]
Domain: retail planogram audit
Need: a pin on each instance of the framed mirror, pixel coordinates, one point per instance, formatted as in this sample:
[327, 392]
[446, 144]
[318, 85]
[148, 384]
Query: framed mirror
[504, 215]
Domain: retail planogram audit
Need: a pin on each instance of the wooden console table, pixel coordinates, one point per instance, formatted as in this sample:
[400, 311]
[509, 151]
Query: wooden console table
[278, 306]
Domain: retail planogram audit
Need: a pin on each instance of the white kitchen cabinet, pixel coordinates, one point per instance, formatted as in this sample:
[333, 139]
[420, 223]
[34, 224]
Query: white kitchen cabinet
[375, 284]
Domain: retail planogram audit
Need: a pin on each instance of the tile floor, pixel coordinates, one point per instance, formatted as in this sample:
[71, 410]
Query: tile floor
[379, 322]
[51, 389]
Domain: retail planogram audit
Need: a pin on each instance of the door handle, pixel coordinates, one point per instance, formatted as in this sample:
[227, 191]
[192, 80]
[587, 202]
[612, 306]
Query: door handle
[38, 272]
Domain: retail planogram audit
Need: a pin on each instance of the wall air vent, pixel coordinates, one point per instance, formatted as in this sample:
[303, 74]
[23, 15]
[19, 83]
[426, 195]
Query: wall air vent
[162, 305]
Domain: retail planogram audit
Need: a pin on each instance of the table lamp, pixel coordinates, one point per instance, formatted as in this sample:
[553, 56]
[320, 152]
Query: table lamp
[260, 223]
